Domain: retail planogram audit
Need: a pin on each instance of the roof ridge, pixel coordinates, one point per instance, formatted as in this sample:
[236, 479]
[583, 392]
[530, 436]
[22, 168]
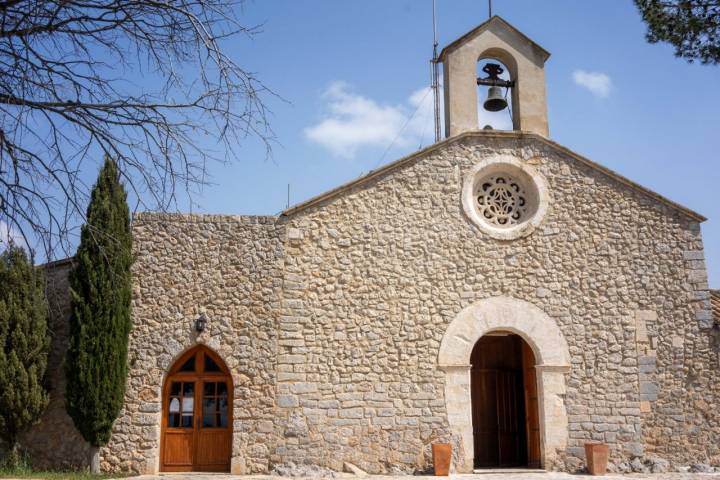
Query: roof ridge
[495, 18]
[57, 263]
[150, 216]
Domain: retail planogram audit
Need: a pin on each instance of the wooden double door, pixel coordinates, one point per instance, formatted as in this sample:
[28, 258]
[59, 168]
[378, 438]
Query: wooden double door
[197, 414]
[505, 419]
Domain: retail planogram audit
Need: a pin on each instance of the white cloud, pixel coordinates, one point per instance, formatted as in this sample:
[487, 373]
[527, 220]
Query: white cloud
[599, 84]
[353, 121]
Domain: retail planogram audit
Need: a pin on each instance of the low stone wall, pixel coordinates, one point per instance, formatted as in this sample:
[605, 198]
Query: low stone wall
[55, 442]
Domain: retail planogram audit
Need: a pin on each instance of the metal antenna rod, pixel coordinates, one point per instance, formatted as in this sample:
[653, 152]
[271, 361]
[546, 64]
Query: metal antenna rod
[435, 77]
[489, 8]
[288, 196]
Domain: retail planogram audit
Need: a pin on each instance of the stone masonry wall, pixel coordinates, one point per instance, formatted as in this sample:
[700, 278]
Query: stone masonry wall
[55, 442]
[374, 276]
[330, 319]
[679, 380]
[227, 268]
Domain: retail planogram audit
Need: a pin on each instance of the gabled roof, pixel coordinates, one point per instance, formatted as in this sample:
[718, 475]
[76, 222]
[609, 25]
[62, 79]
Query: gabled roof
[57, 263]
[408, 160]
[494, 20]
[715, 305]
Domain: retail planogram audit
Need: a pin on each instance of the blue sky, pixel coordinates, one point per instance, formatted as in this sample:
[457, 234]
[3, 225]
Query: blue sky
[351, 75]
[345, 67]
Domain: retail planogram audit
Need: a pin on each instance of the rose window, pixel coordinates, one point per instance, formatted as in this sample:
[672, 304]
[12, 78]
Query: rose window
[502, 200]
[505, 197]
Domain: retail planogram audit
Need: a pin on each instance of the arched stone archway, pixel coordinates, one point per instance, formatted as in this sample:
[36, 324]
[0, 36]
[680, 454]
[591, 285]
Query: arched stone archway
[551, 354]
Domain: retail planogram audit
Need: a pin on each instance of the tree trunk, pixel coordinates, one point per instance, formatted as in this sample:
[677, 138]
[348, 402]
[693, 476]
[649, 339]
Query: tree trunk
[94, 459]
[13, 458]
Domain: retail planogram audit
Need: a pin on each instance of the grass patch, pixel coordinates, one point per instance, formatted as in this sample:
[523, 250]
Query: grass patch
[25, 472]
[50, 475]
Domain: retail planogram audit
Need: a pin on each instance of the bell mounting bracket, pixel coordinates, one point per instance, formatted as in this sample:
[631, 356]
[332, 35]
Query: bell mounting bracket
[493, 79]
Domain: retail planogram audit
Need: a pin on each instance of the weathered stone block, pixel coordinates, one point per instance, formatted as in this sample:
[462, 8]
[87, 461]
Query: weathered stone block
[303, 387]
[287, 401]
[351, 412]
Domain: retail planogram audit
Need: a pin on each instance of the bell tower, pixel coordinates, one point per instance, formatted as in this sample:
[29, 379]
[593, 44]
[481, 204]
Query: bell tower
[525, 61]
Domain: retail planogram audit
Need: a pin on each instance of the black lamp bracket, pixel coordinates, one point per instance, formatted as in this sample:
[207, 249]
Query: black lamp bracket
[201, 323]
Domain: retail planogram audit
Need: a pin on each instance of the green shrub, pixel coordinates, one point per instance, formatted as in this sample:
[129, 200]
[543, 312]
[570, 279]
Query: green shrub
[24, 344]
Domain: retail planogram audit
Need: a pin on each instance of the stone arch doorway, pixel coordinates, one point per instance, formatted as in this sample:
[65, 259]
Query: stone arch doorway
[506, 429]
[552, 362]
[196, 428]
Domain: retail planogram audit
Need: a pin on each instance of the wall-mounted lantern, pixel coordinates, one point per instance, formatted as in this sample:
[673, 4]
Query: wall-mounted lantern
[201, 323]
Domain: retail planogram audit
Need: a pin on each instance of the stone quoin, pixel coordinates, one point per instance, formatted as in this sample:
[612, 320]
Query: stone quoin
[495, 291]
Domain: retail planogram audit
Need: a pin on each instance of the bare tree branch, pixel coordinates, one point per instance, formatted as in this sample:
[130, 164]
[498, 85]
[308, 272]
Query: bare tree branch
[67, 98]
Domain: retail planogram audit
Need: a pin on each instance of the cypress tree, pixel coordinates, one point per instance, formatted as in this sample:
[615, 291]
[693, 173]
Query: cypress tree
[24, 344]
[96, 362]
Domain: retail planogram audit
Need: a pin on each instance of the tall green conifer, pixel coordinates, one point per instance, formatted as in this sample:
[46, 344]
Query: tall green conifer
[96, 362]
[24, 344]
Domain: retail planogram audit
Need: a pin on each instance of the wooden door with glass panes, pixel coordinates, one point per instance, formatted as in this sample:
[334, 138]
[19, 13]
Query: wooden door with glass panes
[197, 414]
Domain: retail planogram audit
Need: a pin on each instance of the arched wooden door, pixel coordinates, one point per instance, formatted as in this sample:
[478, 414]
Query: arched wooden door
[506, 428]
[197, 414]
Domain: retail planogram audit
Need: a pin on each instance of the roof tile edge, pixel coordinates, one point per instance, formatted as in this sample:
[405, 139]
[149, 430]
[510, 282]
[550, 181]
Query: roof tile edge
[149, 217]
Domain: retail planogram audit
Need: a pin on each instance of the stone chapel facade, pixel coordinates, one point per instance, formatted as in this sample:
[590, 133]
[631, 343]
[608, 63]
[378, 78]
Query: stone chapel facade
[495, 290]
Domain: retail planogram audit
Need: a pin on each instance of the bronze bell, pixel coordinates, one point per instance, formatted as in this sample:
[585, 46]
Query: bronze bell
[495, 100]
